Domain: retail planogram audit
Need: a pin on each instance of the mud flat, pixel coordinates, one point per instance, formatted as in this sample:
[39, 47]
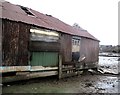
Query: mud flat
[77, 84]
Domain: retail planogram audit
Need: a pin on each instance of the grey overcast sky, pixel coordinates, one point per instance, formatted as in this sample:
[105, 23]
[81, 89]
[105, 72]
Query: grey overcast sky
[99, 17]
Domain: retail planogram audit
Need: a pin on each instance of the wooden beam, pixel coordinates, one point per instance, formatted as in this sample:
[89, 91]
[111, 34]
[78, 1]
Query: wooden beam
[42, 74]
[4, 69]
[27, 75]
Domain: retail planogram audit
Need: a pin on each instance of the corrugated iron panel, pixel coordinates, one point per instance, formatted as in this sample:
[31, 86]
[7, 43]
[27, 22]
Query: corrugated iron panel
[66, 47]
[23, 44]
[15, 43]
[15, 13]
[10, 42]
[44, 59]
[89, 49]
[44, 46]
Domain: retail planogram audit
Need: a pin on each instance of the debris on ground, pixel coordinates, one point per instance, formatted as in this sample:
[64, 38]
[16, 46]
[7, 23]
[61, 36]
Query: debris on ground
[8, 85]
[88, 84]
[118, 59]
[99, 71]
[100, 88]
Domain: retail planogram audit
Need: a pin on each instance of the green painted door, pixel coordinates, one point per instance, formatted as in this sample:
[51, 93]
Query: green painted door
[44, 59]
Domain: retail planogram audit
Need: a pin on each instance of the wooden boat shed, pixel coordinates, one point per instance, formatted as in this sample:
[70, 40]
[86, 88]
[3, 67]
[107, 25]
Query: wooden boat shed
[32, 42]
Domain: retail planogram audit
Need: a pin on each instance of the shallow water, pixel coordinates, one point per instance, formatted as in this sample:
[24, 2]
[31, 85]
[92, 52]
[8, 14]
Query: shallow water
[109, 64]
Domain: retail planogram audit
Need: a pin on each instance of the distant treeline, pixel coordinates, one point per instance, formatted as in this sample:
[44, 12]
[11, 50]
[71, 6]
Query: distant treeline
[110, 48]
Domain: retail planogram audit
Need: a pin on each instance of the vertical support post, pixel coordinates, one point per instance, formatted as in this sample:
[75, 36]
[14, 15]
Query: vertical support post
[60, 67]
[1, 47]
[118, 42]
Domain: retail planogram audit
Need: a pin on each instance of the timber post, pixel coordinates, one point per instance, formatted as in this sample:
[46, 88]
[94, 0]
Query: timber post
[60, 67]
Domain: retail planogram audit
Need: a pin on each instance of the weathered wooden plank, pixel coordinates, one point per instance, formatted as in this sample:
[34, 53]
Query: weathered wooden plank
[28, 76]
[4, 69]
[41, 68]
[42, 74]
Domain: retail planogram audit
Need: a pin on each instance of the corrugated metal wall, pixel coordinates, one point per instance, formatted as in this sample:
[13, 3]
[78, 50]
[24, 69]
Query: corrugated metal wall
[44, 59]
[15, 39]
[66, 47]
[89, 48]
[44, 46]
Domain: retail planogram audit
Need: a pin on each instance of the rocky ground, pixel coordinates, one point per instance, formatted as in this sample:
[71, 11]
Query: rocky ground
[89, 82]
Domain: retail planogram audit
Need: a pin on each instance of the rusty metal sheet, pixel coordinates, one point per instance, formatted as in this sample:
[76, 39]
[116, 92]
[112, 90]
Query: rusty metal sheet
[44, 46]
[15, 13]
[15, 43]
[89, 49]
[66, 47]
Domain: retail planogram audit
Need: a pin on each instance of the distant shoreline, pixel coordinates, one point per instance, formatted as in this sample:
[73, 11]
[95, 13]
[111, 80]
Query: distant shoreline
[109, 54]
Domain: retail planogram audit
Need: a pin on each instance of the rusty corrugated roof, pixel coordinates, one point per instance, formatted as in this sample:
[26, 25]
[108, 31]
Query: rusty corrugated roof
[15, 13]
